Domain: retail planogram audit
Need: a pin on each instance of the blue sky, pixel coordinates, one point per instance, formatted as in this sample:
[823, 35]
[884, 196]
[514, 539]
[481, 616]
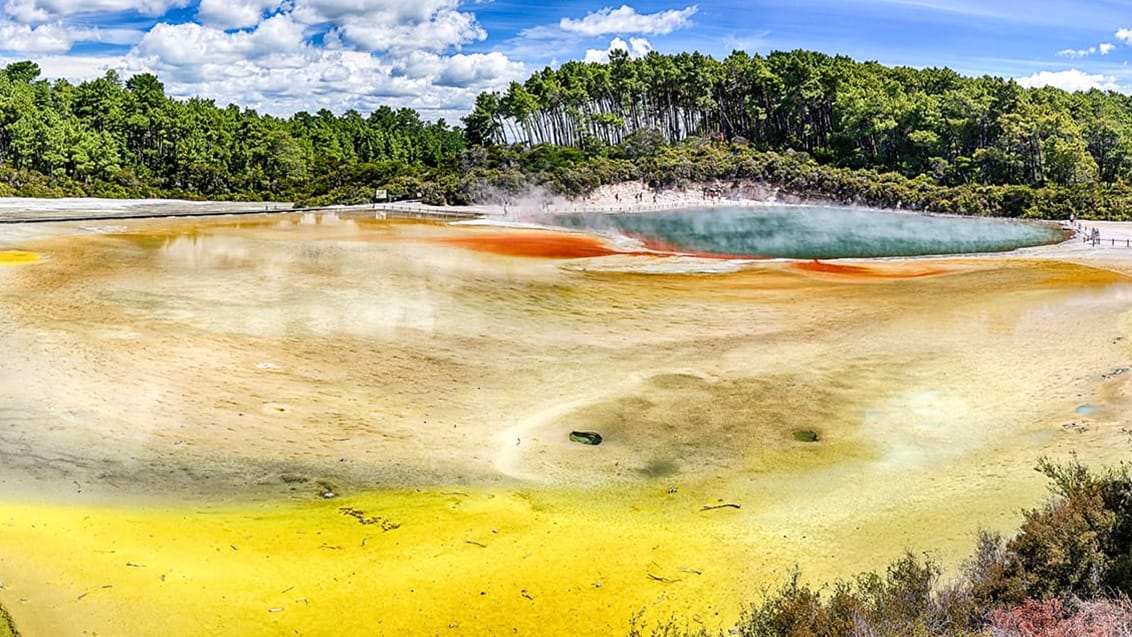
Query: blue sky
[282, 56]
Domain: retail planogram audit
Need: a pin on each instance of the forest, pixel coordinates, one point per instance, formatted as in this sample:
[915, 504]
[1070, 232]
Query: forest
[814, 125]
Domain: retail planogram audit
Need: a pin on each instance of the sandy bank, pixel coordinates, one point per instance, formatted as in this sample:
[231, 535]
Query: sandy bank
[34, 209]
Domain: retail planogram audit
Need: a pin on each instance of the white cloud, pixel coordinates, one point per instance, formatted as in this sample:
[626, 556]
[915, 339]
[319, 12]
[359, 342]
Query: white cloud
[626, 20]
[382, 25]
[45, 38]
[274, 68]
[234, 14]
[1070, 80]
[39, 11]
[486, 70]
[182, 49]
[281, 56]
[1077, 53]
[57, 37]
[1104, 48]
[443, 30]
[335, 80]
[72, 67]
[386, 12]
[1124, 35]
[637, 47]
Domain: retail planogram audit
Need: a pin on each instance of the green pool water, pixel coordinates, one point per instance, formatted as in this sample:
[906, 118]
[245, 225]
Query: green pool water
[810, 232]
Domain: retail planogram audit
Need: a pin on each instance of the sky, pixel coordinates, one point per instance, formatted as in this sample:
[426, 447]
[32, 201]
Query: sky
[435, 56]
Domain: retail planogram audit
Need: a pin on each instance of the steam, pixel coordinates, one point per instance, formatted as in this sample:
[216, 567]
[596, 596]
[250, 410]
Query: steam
[529, 204]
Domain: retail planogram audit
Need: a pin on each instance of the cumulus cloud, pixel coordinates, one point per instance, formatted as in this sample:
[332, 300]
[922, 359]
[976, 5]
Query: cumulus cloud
[479, 70]
[637, 47]
[626, 20]
[182, 48]
[57, 37]
[276, 56]
[45, 38]
[1070, 80]
[382, 25]
[234, 14]
[390, 11]
[1106, 47]
[39, 11]
[444, 30]
[335, 80]
[276, 67]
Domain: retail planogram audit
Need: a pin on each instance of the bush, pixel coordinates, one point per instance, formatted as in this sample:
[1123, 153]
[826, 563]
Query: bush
[1057, 618]
[1066, 573]
[903, 601]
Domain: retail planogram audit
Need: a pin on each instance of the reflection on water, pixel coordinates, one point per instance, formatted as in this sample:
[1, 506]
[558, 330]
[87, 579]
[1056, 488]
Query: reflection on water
[806, 232]
[182, 395]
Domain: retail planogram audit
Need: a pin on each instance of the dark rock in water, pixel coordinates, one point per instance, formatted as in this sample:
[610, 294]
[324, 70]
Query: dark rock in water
[586, 437]
[806, 435]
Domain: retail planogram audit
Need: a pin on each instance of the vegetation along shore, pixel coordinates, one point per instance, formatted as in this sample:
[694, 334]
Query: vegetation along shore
[807, 124]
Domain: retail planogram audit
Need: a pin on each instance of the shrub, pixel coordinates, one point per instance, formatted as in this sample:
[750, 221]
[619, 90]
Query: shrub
[903, 601]
[1056, 618]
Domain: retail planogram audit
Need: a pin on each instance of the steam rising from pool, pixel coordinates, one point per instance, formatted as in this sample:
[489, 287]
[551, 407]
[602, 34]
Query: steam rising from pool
[807, 232]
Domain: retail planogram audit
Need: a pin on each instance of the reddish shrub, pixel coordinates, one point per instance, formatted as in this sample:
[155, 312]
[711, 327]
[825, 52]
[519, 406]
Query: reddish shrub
[1055, 618]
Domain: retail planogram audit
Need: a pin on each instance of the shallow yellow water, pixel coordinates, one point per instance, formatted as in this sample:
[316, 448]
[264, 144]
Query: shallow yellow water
[16, 257]
[177, 397]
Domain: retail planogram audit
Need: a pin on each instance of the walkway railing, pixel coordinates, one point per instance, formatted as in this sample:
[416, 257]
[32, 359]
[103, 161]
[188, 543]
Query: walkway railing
[424, 212]
[1093, 236]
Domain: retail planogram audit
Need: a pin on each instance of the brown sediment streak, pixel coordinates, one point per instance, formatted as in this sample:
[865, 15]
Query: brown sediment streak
[550, 245]
[865, 272]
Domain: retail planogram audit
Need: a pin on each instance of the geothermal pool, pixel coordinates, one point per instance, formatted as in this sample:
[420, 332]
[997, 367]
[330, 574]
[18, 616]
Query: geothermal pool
[319, 423]
[814, 232]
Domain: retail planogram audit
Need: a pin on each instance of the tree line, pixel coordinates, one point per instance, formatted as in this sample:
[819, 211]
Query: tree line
[936, 139]
[114, 138]
[811, 124]
[957, 130]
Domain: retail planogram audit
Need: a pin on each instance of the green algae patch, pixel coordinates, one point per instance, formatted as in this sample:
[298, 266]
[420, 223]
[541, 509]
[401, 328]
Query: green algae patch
[7, 626]
[805, 435]
[684, 425]
[17, 257]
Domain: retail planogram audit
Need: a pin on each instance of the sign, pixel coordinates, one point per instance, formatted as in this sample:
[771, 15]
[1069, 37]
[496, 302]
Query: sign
[380, 194]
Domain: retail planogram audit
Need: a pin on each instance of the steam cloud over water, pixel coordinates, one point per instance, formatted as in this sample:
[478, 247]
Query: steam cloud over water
[805, 232]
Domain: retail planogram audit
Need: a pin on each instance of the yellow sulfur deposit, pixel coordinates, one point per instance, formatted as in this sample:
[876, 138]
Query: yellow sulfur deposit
[15, 257]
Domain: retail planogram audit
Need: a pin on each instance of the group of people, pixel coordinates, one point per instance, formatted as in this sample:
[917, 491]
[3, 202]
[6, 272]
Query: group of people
[1088, 235]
